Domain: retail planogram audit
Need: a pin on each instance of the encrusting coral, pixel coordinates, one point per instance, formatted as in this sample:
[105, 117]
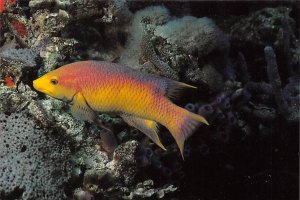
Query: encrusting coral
[33, 162]
[198, 36]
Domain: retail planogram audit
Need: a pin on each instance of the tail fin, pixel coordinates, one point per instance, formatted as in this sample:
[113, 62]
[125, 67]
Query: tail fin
[184, 125]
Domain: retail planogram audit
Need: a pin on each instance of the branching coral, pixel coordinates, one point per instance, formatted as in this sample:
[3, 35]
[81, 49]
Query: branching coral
[290, 113]
[243, 68]
[286, 98]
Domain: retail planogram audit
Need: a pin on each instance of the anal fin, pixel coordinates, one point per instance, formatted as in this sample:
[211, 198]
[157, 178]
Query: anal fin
[148, 127]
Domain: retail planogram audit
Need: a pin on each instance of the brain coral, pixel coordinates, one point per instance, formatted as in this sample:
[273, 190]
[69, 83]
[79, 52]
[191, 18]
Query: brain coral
[33, 165]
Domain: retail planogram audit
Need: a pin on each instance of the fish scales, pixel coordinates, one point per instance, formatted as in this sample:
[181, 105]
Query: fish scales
[107, 88]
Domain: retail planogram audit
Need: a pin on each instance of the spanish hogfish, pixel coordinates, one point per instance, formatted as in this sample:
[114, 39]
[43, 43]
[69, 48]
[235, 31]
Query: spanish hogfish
[142, 100]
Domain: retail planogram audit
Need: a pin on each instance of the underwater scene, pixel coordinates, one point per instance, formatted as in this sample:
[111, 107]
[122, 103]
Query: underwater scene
[146, 100]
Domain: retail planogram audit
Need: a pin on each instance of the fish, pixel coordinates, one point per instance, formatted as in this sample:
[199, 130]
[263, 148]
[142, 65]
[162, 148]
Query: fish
[142, 100]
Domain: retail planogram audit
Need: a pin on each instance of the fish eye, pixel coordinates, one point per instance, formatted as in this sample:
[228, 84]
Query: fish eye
[54, 81]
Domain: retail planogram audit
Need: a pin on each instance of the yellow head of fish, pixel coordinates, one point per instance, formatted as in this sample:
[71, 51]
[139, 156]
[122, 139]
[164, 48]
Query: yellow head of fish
[57, 84]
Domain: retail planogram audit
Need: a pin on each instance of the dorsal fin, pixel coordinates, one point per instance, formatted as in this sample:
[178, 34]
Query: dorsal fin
[174, 88]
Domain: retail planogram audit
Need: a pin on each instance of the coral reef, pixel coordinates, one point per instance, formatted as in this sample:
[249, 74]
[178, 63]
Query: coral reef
[243, 59]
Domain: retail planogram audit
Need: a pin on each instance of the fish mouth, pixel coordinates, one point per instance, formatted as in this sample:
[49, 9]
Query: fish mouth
[35, 85]
[40, 89]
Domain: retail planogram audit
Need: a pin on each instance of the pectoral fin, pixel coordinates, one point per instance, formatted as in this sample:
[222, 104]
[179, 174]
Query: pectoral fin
[82, 111]
[148, 127]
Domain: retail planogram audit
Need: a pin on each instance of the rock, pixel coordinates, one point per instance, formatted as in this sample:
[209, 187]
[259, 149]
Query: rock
[124, 165]
[260, 28]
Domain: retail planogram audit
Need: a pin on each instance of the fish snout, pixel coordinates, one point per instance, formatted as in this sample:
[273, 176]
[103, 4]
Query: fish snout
[38, 85]
[35, 85]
